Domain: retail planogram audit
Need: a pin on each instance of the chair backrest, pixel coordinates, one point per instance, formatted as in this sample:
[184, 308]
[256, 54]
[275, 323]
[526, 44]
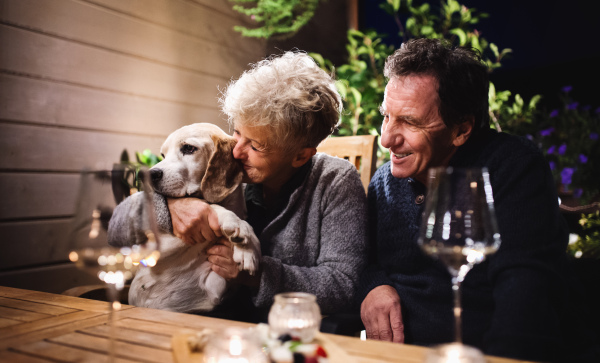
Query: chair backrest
[360, 150]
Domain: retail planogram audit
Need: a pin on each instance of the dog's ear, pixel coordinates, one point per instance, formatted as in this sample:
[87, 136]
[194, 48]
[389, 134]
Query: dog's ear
[223, 173]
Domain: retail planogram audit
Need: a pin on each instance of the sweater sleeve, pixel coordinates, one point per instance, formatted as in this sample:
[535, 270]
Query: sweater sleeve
[373, 275]
[527, 271]
[341, 243]
[128, 222]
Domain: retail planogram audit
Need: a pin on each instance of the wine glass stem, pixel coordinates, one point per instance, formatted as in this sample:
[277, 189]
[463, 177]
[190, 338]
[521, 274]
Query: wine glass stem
[114, 304]
[457, 309]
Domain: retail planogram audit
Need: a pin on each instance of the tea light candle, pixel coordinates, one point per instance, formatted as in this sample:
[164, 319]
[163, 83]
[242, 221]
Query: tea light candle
[295, 313]
[233, 346]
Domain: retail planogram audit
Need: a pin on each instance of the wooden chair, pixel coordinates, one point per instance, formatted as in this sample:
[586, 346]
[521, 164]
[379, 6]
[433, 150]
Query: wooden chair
[360, 150]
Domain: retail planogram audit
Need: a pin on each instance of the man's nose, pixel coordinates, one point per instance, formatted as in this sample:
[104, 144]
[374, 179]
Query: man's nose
[388, 138]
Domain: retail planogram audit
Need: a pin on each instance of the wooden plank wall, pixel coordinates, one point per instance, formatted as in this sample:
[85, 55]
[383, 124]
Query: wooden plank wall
[83, 80]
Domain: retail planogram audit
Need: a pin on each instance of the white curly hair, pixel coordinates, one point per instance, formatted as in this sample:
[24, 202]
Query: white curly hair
[290, 96]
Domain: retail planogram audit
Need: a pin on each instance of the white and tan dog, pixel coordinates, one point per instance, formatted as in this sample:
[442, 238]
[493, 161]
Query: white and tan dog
[198, 162]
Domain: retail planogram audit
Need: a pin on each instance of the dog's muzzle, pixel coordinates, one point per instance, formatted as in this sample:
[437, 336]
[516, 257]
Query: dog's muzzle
[156, 176]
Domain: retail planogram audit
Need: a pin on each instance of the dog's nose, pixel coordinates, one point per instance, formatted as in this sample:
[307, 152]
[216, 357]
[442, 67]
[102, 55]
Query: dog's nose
[156, 175]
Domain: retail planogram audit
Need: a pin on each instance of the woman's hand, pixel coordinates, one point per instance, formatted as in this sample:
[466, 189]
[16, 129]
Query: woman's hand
[221, 257]
[194, 221]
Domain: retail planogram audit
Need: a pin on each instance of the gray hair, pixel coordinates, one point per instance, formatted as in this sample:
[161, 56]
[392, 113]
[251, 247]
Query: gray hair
[290, 95]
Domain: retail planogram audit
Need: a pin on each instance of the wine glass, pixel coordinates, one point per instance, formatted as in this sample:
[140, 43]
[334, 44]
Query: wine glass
[459, 228]
[100, 190]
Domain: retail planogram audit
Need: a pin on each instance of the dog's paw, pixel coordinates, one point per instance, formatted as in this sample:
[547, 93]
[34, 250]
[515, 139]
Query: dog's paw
[237, 231]
[247, 258]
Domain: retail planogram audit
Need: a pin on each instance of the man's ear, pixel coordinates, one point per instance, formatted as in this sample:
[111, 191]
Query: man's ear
[303, 156]
[463, 131]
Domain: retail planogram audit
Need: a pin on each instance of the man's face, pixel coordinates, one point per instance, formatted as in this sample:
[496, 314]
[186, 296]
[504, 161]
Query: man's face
[413, 129]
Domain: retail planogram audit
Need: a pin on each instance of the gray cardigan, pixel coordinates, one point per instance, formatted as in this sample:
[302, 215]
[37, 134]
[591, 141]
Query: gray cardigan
[317, 244]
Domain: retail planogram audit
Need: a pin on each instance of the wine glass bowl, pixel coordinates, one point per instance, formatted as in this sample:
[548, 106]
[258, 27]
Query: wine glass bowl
[100, 191]
[459, 229]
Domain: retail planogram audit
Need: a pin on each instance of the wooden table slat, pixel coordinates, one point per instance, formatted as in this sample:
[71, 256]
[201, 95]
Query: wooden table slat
[162, 341]
[16, 357]
[33, 306]
[62, 353]
[21, 315]
[4, 322]
[28, 332]
[124, 349]
[58, 300]
[195, 322]
[155, 327]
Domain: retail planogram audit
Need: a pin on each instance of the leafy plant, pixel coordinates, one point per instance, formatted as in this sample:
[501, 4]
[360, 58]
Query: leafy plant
[569, 138]
[277, 18]
[587, 244]
[511, 115]
[130, 177]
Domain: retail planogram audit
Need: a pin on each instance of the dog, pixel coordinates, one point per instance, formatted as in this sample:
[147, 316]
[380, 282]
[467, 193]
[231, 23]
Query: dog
[198, 162]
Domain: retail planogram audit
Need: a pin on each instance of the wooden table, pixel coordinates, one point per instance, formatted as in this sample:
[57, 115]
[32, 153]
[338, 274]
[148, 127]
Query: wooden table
[42, 327]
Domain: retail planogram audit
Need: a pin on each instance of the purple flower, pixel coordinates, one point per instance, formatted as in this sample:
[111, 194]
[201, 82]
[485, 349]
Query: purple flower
[552, 165]
[597, 110]
[567, 89]
[551, 149]
[577, 193]
[547, 132]
[583, 159]
[529, 137]
[594, 136]
[566, 175]
[562, 149]
[554, 113]
[572, 106]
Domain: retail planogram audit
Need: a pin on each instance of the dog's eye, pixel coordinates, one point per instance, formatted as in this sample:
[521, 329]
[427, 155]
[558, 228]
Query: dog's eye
[188, 149]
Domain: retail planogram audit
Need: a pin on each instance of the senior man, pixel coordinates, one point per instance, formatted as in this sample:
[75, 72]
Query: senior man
[515, 304]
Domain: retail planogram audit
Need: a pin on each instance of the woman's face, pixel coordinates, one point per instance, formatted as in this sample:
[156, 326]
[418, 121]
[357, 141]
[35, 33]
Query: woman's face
[271, 166]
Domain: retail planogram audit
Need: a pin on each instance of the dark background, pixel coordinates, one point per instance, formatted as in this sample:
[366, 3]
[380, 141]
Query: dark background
[554, 43]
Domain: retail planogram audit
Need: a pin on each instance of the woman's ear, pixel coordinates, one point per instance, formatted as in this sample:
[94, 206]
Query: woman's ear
[463, 131]
[303, 156]
[223, 174]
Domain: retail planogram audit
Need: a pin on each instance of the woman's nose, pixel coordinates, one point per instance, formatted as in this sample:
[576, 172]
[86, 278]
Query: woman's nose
[238, 150]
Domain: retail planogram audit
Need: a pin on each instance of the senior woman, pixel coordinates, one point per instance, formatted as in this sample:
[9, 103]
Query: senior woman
[308, 209]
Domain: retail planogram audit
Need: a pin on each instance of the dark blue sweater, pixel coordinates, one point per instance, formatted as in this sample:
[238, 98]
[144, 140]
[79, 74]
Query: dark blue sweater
[515, 303]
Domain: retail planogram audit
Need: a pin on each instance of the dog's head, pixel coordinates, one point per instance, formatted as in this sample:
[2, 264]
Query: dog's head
[198, 161]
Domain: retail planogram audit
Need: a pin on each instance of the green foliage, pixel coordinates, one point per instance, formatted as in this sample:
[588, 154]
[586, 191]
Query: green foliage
[587, 244]
[511, 115]
[131, 169]
[147, 158]
[277, 18]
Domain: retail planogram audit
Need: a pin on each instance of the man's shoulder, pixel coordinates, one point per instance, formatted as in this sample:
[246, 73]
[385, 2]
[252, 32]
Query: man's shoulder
[511, 144]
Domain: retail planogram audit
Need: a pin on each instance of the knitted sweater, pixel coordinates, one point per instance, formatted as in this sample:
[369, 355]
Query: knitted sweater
[514, 303]
[317, 243]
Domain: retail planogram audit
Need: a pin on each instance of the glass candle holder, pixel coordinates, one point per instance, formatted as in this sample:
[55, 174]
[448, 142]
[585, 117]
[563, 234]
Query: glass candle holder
[233, 345]
[296, 314]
